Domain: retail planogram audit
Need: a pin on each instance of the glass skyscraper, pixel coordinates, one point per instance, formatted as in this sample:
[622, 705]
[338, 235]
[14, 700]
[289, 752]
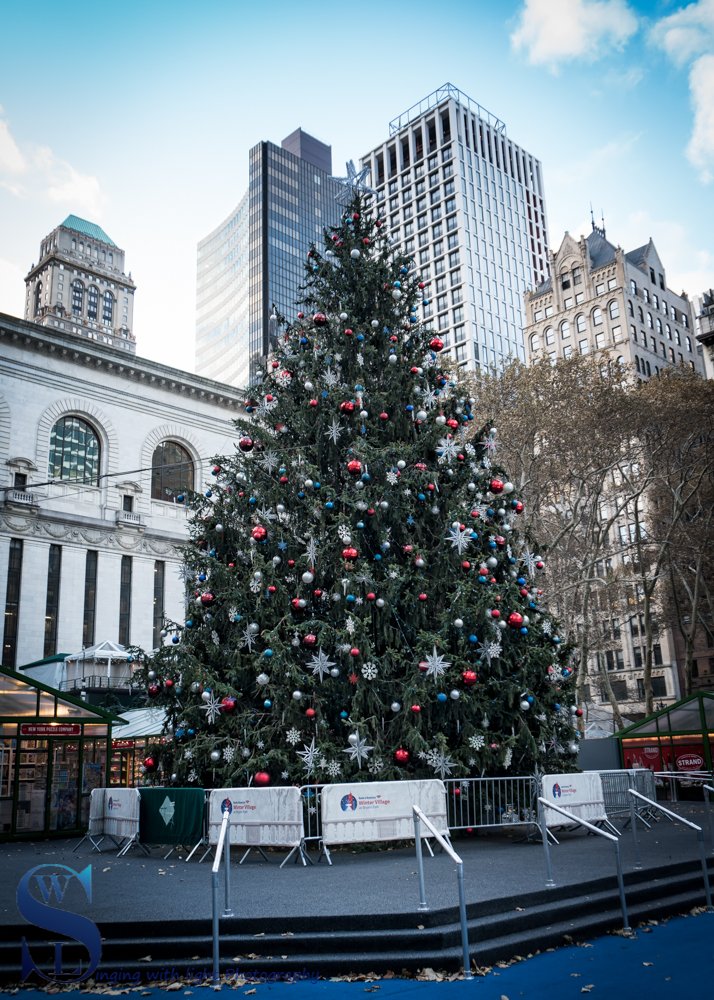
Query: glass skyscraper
[467, 204]
[254, 261]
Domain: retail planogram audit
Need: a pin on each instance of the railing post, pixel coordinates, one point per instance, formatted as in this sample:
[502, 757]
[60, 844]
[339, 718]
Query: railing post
[549, 883]
[464, 925]
[216, 982]
[633, 824]
[707, 790]
[621, 886]
[227, 910]
[705, 870]
[420, 863]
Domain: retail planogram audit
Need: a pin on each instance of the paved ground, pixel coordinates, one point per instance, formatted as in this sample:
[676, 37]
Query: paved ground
[660, 961]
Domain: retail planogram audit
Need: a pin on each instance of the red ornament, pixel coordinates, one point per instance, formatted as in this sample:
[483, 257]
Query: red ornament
[269, 398]
[416, 709]
[423, 666]
[371, 596]
[313, 403]
[291, 563]
[348, 406]
[309, 639]
[274, 364]
[259, 533]
[348, 332]
[216, 469]
[421, 284]
[150, 763]
[518, 507]
[453, 423]
[515, 620]
[228, 704]
[310, 713]
[354, 467]
[495, 613]
[301, 315]
[401, 756]
[153, 690]
[414, 370]
[496, 486]
[207, 598]
[262, 778]
[319, 319]
[168, 683]
[354, 651]
[295, 601]
[579, 712]
[465, 565]
[469, 677]
[384, 416]
[436, 344]
[355, 216]
[317, 593]
[366, 241]
[423, 597]
[350, 553]
[272, 589]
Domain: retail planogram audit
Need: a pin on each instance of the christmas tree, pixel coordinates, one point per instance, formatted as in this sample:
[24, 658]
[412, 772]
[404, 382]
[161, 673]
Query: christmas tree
[360, 603]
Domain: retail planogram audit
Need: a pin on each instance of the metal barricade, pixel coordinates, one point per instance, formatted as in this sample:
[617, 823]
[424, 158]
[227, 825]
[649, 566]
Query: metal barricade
[671, 781]
[312, 815]
[476, 803]
[616, 785]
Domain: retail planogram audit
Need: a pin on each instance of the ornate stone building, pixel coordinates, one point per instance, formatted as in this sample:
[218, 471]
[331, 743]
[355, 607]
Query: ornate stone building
[79, 286]
[97, 449]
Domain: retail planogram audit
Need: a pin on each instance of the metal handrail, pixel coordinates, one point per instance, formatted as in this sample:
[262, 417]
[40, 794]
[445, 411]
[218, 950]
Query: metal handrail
[419, 817]
[550, 883]
[674, 777]
[707, 790]
[686, 822]
[227, 911]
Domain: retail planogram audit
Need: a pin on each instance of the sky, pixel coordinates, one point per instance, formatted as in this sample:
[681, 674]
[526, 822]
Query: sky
[140, 116]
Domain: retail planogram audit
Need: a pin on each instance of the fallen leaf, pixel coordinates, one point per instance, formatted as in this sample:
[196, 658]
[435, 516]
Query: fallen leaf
[648, 964]
[587, 989]
[261, 934]
[287, 934]
[172, 987]
[249, 993]
[145, 958]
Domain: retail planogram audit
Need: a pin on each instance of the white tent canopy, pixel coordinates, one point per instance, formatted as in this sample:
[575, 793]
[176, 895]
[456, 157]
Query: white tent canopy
[140, 722]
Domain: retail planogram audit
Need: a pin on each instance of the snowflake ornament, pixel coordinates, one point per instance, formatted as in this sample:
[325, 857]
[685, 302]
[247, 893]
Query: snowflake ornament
[229, 752]
[375, 765]
[477, 742]
[343, 533]
[392, 478]
[369, 671]
[442, 764]
[333, 769]
[447, 449]
[292, 736]
[215, 638]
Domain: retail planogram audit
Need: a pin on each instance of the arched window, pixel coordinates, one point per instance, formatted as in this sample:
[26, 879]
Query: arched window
[668, 331]
[614, 309]
[564, 330]
[580, 323]
[631, 309]
[38, 297]
[549, 336]
[74, 451]
[647, 365]
[689, 344]
[171, 471]
[77, 297]
[597, 316]
[92, 302]
[535, 343]
[637, 363]
[640, 314]
[108, 309]
[659, 326]
[650, 325]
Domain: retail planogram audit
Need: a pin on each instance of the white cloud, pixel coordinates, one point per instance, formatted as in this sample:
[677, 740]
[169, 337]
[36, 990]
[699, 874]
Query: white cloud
[687, 38]
[687, 33]
[689, 267]
[11, 159]
[37, 173]
[700, 150]
[555, 31]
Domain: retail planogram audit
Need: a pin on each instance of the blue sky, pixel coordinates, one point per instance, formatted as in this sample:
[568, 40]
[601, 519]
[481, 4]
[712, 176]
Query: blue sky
[139, 116]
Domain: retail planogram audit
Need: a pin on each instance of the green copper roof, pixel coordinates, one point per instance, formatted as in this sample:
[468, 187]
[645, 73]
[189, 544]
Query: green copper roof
[87, 229]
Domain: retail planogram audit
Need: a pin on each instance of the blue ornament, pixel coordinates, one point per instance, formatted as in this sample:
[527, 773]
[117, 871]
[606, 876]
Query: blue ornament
[421, 496]
[524, 630]
[397, 284]
[191, 732]
[175, 639]
[201, 577]
[252, 500]
[441, 696]
[521, 581]
[366, 477]
[267, 653]
[212, 553]
[359, 337]
[267, 703]
[409, 408]
[377, 556]
[301, 495]
[360, 524]
[473, 638]
[344, 715]
[492, 544]
[359, 388]
[530, 699]
[209, 493]
[180, 498]
[350, 598]
[329, 505]
[189, 623]
[316, 485]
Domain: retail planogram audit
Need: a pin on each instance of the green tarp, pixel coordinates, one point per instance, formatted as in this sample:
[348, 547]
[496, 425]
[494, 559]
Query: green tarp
[171, 815]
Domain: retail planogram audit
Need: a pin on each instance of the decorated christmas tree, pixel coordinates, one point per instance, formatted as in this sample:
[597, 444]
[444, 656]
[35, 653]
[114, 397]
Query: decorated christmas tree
[360, 602]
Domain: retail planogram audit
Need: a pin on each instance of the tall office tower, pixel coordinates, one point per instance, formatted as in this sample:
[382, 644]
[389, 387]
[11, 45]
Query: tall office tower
[255, 259]
[79, 286]
[468, 204]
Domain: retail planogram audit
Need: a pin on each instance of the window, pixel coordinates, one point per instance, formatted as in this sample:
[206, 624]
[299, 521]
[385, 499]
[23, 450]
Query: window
[650, 325]
[613, 309]
[12, 602]
[549, 336]
[108, 309]
[600, 340]
[668, 331]
[630, 308]
[577, 275]
[77, 297]
[38, 298]
[567, 351]
[597, 316]
[159, 588]
[125, 601]
[127, 503]
[659, 326]
[583, 346]
[581, 323]
[565, 280]
[171, 471]
[74, 452]
[633, 287]
[689, 344]
[535, 343]
[90, 598]
[564, 330]
[52, 602]
[645, 295]
[92, 302]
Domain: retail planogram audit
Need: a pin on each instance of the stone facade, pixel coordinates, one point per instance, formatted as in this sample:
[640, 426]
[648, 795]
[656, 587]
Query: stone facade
[51, 516]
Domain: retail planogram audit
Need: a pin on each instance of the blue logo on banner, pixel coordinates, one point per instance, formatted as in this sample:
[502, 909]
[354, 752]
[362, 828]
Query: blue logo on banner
[40, 900]
[348, 801]
[226, 806]
[556, 791]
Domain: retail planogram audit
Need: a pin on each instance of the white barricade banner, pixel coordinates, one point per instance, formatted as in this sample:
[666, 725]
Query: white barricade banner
[96, 812]
[260, 817]
[121, 812]
[579, 793]
[369, 811]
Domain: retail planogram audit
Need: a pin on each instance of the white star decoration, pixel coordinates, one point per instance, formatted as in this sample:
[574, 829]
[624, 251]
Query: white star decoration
[437, 665]
[310, 755]
[447, 449]
[355, 181]
[442, 764]
[333, 431]
[460, 540]
[212, 708]
[320, 664]
[358, 751]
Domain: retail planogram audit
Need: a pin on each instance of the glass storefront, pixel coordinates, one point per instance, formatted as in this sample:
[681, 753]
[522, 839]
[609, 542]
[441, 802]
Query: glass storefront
[54, 749]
